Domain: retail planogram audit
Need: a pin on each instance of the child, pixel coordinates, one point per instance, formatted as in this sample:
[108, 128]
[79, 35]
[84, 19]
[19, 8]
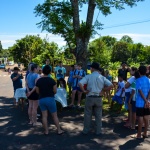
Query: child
[16, 79]
[71, 79]
[132, 101]
[109, 77]
[128, 95]
[40, 72]
[119, 95]
[61, 95]
[79, 73]
[9, 71]
[62, 83]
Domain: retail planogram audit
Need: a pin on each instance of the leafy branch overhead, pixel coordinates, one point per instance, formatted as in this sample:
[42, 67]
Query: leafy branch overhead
[62, 17]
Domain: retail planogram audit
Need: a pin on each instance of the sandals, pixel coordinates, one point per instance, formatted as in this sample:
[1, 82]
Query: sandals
[145, 136]
[37, 124]
[127, 126]
[71, 106]
[135, 137]
[60, 133]
[30, 123]
[46, 134]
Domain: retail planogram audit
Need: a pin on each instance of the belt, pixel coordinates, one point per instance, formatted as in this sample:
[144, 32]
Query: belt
[96, 96]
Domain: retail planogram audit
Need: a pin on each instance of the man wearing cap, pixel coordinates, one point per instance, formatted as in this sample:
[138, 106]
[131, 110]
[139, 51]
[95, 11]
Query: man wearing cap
[16, 79]
[124, 71]
[95, 84]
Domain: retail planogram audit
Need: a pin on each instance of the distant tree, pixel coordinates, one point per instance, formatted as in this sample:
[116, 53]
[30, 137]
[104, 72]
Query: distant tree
[136, 52]
[49, 51]
[109, 41]
[147, 54]
[1, 46]
[68, 54]
[98, 52]
[27, 48]
[126, 39]
[62, 17]
[120, 52]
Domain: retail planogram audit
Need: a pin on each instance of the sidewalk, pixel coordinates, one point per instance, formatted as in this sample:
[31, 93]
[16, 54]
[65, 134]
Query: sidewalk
[16, 134]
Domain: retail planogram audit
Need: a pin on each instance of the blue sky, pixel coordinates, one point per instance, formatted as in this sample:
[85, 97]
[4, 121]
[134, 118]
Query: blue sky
[18, 20]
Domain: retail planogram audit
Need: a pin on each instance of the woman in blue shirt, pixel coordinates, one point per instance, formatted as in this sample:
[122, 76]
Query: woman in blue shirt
[32, 95]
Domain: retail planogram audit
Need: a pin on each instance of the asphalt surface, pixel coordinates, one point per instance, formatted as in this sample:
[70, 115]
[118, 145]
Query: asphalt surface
[16, 134]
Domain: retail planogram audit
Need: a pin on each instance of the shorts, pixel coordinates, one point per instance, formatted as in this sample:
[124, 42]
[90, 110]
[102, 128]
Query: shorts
[33, 96]
[48, 103]
[141, 112]
[77, 89]
[127, 97]
[133, 103]
[118, 99]
[70, 84]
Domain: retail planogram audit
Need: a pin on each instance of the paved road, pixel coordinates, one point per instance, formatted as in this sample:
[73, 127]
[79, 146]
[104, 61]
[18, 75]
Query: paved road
[16, 134]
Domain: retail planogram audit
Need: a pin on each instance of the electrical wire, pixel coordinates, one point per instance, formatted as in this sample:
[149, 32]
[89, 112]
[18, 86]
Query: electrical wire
[127, 24]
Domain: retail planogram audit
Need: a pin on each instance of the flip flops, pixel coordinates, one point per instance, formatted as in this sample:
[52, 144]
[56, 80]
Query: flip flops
[127, 126]
[62, 132]
[144, 136]
[46, 134]
[135, 137]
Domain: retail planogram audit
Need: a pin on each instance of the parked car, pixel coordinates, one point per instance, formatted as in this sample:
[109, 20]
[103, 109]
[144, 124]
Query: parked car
[2, 66]
[11, 63]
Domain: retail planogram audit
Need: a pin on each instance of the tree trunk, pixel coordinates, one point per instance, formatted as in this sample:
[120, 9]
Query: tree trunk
[82, 43]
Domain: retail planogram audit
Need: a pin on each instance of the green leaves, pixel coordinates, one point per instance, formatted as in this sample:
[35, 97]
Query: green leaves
[1, 46]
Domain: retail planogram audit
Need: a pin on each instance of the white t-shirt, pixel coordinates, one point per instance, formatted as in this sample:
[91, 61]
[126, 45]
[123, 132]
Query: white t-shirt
[121, 86]
[130, 80]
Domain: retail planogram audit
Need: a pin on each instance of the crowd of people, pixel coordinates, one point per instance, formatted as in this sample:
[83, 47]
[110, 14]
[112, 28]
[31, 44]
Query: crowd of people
[133, 93]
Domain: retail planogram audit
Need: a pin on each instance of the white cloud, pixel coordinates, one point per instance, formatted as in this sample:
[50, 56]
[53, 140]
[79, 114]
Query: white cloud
[8, 40]
[137, 38]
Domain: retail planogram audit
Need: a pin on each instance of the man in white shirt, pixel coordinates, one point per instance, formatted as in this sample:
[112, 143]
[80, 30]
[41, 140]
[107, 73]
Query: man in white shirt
[95, 84]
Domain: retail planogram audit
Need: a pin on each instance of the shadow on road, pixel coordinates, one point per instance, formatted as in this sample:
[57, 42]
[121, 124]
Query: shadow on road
[15, 133]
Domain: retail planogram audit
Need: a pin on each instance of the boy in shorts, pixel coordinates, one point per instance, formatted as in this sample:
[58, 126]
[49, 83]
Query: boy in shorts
[119, 95]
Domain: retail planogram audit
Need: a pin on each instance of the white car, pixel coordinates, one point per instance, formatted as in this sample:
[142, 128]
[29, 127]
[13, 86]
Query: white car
[10, 63]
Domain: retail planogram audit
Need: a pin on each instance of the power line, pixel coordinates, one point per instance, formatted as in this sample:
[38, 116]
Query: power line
[127, 24]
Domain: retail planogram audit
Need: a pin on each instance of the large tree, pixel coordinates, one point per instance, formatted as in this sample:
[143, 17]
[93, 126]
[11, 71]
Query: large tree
[62, 17]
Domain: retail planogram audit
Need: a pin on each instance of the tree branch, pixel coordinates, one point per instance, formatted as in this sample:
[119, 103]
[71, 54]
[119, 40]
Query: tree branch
[90, 14]
[76, 20]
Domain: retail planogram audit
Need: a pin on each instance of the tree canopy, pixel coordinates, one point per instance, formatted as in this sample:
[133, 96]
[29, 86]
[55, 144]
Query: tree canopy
[62, 17]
